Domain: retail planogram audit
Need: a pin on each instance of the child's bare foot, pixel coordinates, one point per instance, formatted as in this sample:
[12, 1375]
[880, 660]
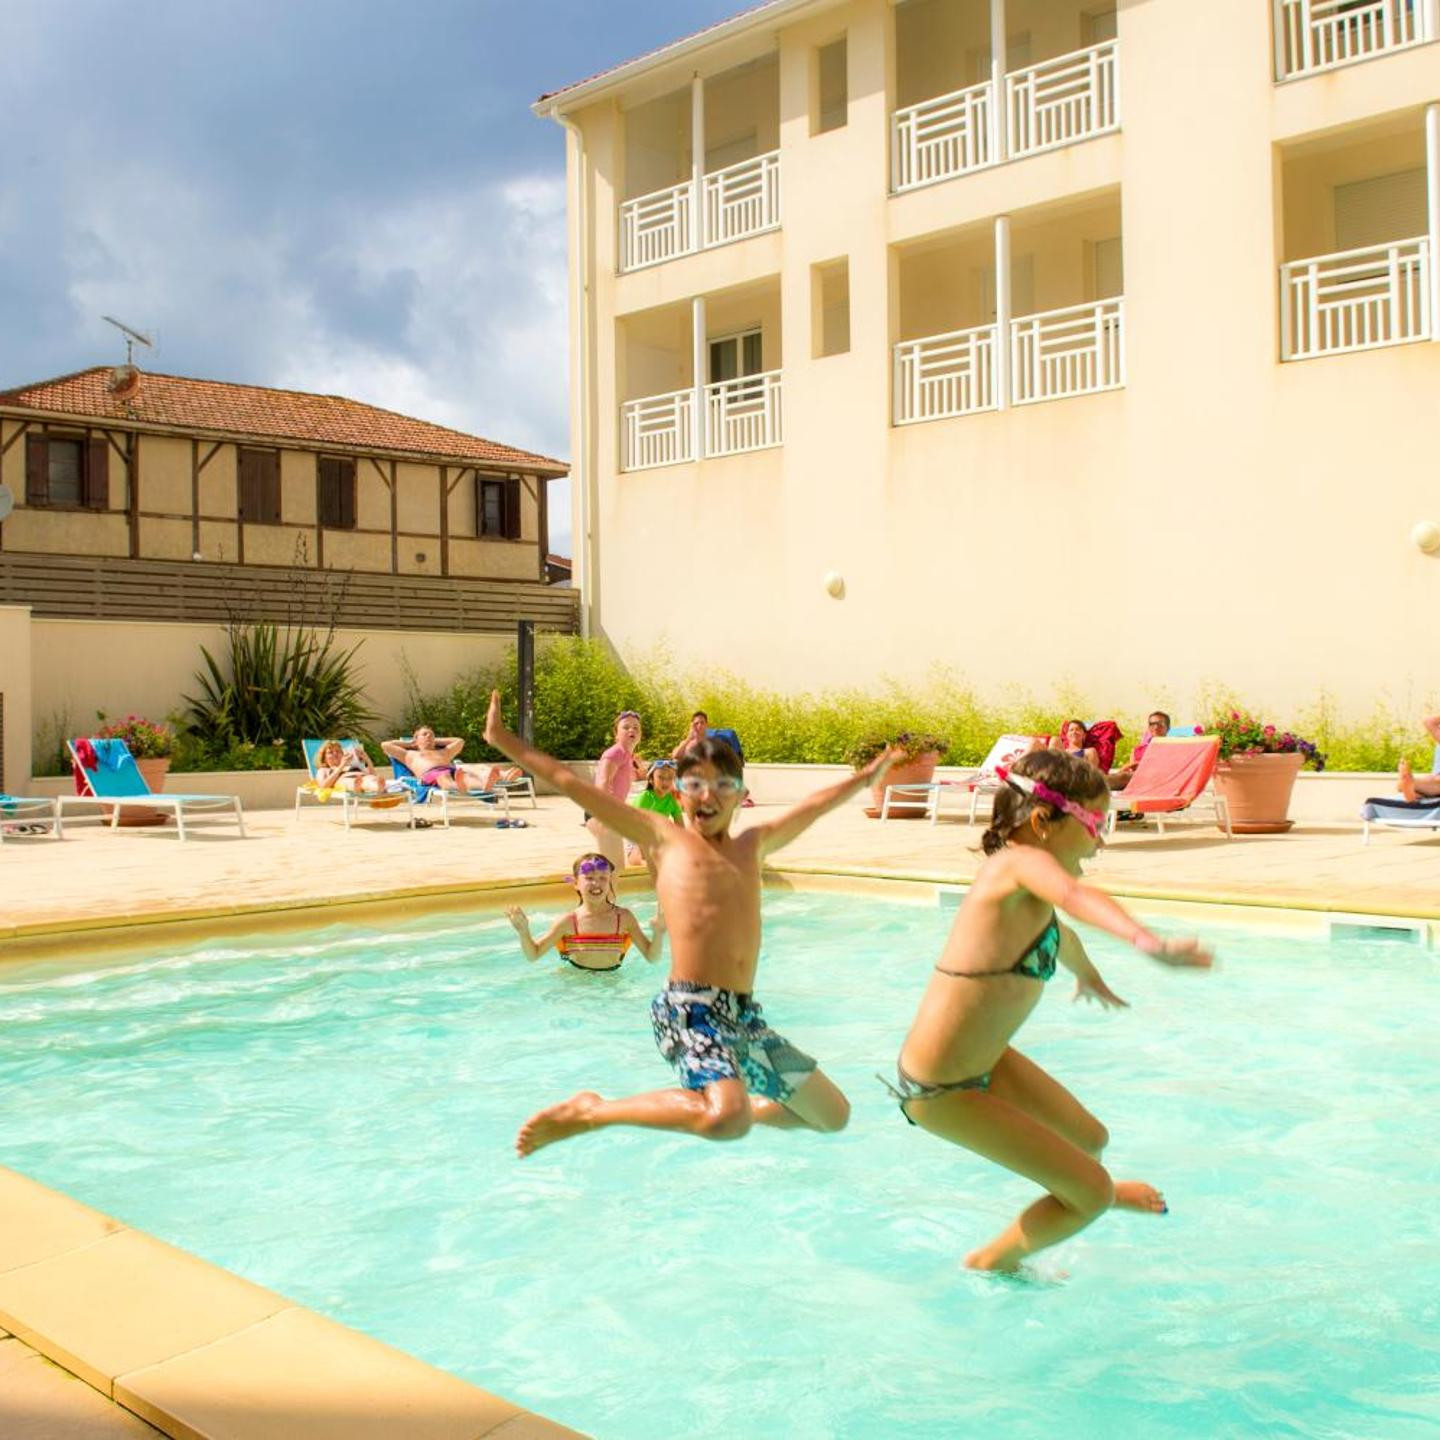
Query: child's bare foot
[993, 1258]
[1137, 1195]
[556, 1122]
[1407, 781]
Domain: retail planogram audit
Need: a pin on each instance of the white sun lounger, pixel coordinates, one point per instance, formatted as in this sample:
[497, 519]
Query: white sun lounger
[116, 781]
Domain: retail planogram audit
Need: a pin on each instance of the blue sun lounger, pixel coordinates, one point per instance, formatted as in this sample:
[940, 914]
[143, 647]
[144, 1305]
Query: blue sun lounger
[1392, 812]
[115, 780]
[25, 814]
[351, 801]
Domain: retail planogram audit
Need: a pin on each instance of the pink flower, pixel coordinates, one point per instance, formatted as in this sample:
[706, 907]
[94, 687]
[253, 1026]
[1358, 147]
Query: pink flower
[1269, 730]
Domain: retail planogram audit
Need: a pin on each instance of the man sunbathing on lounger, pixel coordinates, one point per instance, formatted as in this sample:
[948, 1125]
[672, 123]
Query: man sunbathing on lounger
[1421, 787]
[434, 761]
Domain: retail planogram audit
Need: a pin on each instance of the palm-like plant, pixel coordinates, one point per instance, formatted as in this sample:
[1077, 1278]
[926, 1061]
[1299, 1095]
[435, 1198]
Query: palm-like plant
[280, 685]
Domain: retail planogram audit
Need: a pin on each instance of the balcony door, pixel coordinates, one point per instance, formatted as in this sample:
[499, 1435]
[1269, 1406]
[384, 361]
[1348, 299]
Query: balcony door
[733, 357]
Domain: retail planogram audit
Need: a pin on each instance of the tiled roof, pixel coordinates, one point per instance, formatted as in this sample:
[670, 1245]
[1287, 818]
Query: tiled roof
[255, 412]
[752, 12]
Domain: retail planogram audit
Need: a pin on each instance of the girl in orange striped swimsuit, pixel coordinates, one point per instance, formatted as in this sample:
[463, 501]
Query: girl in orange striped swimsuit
[597, 935]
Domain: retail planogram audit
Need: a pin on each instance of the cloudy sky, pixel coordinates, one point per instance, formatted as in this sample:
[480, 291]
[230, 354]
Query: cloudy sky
[347, 196]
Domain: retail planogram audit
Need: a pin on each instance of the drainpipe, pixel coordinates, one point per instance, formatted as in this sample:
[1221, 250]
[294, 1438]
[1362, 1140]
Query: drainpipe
[1003, 357]
[1000, 125]
[1432, 195]
[581, 470]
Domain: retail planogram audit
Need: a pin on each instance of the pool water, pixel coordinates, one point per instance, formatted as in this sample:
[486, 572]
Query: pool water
[332, 1116]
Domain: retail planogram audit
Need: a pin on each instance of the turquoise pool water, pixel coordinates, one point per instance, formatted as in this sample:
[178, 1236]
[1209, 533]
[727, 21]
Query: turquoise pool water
[332, 1116]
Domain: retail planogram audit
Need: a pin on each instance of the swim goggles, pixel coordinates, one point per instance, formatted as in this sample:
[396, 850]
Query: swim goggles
[662, 764]
[594, 867]
[627, 715]
[697, 785]
[1090, 820]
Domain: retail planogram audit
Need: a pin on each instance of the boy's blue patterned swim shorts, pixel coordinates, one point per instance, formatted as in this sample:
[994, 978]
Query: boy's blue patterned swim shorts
[709, 1034]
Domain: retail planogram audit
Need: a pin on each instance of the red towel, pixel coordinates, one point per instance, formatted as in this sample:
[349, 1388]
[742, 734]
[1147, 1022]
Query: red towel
[1104, 736]
[84, 756]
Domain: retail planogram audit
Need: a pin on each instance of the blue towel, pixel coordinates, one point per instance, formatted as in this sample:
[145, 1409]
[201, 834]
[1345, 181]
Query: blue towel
[112, 754]
[730, 738]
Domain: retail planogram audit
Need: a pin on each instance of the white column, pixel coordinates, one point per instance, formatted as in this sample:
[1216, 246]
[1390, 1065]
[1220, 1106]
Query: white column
[1000, 124]
[1430, 20]
[697, 162]
[1432, 216]
[698, 352]
[1003, 356]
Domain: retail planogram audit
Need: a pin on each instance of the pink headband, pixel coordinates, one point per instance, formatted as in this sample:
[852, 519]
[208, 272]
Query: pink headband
[1090, 819]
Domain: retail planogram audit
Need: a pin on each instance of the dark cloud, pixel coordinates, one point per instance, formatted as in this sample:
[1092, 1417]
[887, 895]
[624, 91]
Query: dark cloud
[347, 197]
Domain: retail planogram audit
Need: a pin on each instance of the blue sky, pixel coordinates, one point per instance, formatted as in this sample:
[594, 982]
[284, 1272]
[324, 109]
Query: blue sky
[344, 196]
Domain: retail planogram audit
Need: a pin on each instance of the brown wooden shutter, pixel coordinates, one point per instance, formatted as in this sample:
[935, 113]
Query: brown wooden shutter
[37, 470]
[512, 507]
[328, 469]
[270, 487]
[346, 485]
[95, 488]
[245, 482]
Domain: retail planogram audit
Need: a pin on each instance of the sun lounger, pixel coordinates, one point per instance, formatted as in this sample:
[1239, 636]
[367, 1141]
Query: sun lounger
[495, 803]
[1393, 812]
[29, 815]
[1172, 776]
[112, 778]
[351, 802]
[929, 795]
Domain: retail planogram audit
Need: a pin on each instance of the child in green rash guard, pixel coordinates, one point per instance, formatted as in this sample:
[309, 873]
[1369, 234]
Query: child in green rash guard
[659, 797]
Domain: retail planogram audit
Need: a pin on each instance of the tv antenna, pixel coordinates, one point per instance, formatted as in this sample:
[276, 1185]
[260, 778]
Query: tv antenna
[132, 337]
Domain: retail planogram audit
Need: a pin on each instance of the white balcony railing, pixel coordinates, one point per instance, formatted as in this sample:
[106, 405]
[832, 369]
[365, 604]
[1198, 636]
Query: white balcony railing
[743, 414]
[1315, 35]
[740, 201]
[658, 430]
[1064, 100]
[656, 227]
[1073, 351]
[944, 375]
[1355, 300]
[943, 137]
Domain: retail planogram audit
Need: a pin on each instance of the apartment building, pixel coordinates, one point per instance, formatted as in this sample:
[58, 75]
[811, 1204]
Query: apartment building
[1058, 341]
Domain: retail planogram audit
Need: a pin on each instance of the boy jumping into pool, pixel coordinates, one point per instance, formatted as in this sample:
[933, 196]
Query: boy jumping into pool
[734, 1070]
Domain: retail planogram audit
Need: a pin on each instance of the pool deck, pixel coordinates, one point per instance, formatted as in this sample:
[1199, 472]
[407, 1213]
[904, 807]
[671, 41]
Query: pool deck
[294, 870]
[270, 1366]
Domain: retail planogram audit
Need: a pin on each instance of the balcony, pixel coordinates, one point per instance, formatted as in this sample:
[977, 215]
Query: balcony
[739, 201]
[1316, 35]
[1355, 300]
[740, 415]
[944, 375]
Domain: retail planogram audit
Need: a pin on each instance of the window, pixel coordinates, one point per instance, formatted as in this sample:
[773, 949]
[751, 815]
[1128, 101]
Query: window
[830, 308]
[832, 88]
[733, 356]
[335, 498]
[67, 471]
[497, 508]
[259, 483]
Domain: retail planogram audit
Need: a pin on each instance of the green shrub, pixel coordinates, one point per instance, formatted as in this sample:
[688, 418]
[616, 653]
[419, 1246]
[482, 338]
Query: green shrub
[580, 686]
[276, 687]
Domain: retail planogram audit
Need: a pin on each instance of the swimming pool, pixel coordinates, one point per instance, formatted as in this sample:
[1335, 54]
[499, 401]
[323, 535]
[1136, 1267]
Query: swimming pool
[331, 1115]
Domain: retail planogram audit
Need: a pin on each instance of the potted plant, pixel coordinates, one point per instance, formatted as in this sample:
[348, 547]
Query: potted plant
[152, 745]
[1257, 770]
[916, 766]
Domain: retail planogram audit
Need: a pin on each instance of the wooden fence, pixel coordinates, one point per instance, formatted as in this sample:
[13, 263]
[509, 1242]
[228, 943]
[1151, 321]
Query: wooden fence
[101, 588]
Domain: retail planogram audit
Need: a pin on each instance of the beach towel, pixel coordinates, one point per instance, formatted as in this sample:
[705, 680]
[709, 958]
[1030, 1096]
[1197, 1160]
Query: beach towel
[1104, 736]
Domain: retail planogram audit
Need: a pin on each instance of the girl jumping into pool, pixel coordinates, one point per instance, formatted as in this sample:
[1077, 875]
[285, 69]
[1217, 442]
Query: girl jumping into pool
[958, 1075]
[597, 934]
[734, 1070]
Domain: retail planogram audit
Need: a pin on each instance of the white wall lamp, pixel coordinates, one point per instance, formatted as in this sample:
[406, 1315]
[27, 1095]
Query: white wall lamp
[834, 581]
[1426, 536]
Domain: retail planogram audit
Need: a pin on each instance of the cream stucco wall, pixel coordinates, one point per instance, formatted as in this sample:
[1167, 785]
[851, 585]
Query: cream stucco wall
[80, 667]
[1223, 520]
[16, 691]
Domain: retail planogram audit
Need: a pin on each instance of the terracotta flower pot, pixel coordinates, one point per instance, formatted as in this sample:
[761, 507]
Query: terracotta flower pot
[1257, 790]
[154, 772]
[919, 771]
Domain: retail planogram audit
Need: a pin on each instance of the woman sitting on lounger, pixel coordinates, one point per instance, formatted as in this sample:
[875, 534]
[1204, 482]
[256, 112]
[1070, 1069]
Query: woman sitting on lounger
[1071, 740]
[341, 767]
[1421, 787]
